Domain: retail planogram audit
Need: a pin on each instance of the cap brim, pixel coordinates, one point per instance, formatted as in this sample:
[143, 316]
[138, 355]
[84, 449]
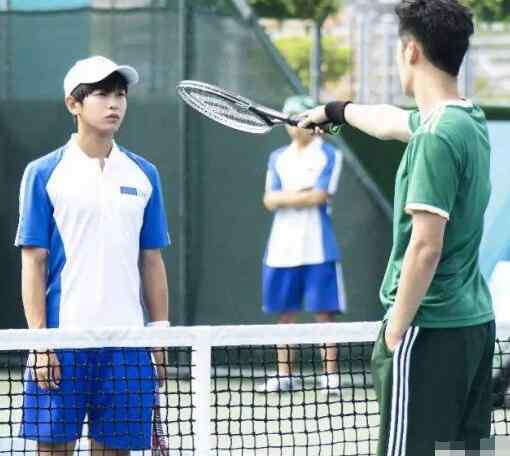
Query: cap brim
[129, 73]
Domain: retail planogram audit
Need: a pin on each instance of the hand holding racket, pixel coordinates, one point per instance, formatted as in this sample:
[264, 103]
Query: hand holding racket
[238, 112]
[314, 118]
[333, 112]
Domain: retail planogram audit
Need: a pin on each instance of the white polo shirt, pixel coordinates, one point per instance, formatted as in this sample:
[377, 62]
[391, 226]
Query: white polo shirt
[93, 222]
[303, 236]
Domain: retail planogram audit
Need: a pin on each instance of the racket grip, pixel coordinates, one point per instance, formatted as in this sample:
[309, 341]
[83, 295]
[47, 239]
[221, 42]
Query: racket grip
[328, 127]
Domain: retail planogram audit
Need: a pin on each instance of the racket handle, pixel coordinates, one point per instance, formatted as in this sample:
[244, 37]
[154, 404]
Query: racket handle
[327, 126]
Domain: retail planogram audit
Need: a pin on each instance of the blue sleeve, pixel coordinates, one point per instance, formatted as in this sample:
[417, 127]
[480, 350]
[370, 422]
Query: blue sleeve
[328, 179]
[154, 232]
[273, 181]
[35, 210]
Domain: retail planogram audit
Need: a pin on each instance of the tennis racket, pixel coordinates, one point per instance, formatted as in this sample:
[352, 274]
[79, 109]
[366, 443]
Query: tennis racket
[235, 111]
[160, 446]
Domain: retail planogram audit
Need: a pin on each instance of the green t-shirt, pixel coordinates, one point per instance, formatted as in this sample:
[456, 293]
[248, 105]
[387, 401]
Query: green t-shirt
[445, 170]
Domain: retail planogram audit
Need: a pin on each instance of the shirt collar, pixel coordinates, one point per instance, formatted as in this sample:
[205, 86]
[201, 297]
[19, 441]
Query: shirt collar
[463, 103]
[78, 154]
[315, 144]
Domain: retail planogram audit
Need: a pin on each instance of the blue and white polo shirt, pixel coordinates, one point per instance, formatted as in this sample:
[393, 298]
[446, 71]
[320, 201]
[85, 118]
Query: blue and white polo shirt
[94, 223]
[303, 236]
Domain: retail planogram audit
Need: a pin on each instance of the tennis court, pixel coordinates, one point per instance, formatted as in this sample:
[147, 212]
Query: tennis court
[239, 412]
[211, 403]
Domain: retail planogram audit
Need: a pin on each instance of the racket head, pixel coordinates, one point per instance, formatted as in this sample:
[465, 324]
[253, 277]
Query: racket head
[226, 108]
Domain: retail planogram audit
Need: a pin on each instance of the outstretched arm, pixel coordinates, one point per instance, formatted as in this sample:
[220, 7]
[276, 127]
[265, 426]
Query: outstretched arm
[380, 121]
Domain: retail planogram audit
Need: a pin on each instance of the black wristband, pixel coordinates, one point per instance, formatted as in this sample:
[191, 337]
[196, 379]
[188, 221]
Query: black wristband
[335, 112]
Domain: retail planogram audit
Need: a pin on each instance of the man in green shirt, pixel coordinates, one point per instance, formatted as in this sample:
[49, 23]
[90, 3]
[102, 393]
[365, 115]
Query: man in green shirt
[432, 361]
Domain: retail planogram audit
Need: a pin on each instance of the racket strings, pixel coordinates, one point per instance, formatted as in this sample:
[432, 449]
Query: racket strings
[160, 443]
[230, 110]
[224, 111]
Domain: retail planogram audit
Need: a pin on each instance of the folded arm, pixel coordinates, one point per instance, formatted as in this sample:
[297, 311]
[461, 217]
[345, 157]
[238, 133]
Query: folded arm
[281, 199]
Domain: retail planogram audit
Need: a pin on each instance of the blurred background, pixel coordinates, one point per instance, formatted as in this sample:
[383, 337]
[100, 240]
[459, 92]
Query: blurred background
[213, 177]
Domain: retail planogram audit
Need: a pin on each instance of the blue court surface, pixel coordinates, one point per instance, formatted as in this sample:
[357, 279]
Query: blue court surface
[496, 239]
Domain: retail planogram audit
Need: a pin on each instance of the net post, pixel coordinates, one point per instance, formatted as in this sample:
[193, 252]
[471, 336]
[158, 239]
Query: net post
[201, 375]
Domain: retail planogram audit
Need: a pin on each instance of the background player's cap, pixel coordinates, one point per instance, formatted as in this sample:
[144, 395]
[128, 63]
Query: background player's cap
[298, 104]
[95, 69]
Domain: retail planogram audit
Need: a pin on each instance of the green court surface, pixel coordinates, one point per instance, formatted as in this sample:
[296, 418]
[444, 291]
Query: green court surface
[244, 422]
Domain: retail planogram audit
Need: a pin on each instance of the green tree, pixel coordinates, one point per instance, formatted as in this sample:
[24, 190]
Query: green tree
[296, 50]
[316, 10]
[491, 10]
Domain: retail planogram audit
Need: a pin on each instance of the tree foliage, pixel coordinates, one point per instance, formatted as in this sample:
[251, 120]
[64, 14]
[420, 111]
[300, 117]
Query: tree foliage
[317, 10]
[490, 10]
[336, 60]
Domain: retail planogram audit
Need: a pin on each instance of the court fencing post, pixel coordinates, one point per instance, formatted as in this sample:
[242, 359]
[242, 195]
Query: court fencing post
[182, 317]
[315, 60]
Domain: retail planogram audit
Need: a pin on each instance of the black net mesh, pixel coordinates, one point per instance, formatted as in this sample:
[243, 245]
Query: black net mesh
[260, 409]
[112, 395]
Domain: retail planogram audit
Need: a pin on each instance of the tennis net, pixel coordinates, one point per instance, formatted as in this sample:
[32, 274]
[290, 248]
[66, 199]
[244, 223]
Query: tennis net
[215, 399]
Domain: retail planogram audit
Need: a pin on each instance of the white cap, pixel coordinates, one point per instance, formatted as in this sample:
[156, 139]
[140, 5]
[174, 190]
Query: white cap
[95, 69]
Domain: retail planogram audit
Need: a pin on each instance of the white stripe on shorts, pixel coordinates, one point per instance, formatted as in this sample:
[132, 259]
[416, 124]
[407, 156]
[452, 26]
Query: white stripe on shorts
[400, 394]
[342, 300]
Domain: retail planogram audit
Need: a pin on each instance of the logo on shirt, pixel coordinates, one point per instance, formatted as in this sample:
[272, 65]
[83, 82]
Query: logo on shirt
[129, 191]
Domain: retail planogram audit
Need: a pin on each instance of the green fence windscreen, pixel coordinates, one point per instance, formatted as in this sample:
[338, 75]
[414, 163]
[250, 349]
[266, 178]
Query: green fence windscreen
[213, 177]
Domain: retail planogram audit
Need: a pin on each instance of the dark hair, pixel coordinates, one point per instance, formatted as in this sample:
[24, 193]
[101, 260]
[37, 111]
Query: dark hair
[443, 28]
[114, 81]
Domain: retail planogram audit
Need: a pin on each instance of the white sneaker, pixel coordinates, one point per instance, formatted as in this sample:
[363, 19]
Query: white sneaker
[280, 384]
[330, 383]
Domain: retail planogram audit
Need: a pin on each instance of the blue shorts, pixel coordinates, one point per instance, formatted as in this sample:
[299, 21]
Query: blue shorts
[114, 387]
[316, 287]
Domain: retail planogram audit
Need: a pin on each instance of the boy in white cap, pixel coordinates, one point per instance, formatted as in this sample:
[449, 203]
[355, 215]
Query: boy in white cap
[92, 223]
[302, 261]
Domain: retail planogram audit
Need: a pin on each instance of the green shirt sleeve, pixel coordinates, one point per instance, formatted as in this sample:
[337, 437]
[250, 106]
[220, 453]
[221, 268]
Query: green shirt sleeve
[414, 120]
[434, 175]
